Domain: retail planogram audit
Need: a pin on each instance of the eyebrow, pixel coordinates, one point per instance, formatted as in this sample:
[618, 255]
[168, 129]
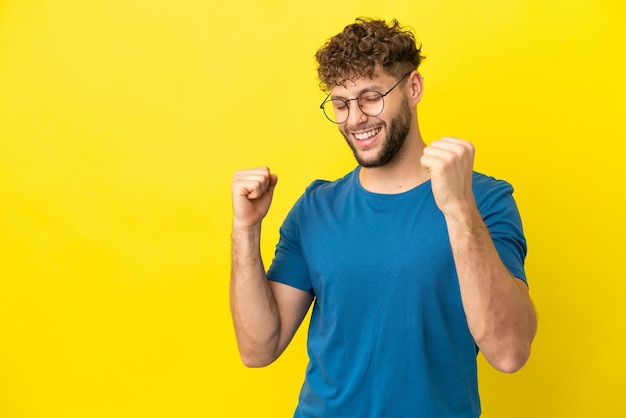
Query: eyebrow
[375, 88]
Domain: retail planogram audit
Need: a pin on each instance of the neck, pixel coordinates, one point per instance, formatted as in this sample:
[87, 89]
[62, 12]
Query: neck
[403, 173]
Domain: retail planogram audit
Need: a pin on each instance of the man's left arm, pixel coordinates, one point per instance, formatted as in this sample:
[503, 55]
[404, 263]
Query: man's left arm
[499, 311]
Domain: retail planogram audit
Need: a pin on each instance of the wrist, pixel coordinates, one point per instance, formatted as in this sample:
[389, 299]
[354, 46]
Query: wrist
[463, 216]
[243, 228]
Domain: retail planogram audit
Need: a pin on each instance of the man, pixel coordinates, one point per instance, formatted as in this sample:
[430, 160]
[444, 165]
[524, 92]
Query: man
[414, 261]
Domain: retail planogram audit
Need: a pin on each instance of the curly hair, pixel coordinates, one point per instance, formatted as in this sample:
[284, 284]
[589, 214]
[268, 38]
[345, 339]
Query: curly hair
[362, 48]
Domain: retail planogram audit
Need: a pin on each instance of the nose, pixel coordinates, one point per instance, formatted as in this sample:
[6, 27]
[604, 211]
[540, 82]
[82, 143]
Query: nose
[355, 115]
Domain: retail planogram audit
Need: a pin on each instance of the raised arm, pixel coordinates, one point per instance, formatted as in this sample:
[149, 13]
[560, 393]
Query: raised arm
[265, 314]
[499, 311]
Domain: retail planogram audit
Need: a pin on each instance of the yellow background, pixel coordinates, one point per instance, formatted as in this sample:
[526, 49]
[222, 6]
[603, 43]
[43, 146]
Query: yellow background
[121, 123]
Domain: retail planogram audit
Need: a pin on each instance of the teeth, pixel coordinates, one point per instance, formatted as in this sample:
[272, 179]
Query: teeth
[365, 135]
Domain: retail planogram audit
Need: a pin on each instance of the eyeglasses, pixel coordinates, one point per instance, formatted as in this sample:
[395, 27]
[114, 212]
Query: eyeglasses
[371, 103]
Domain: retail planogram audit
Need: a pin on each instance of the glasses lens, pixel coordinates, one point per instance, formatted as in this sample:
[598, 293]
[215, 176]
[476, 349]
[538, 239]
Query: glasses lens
[336, 110]
[371, 103]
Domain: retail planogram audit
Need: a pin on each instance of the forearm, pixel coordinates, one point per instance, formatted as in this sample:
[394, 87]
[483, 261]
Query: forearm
[499, 311]
[253, 307]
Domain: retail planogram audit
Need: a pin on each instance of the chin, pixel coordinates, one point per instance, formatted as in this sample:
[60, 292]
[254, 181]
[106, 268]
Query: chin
[371, 162]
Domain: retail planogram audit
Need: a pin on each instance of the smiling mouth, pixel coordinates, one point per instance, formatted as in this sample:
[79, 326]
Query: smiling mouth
[362, 136]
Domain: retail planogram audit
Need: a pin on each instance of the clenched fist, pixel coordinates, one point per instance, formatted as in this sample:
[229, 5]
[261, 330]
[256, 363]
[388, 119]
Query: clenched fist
[450, 163]
[252, 195]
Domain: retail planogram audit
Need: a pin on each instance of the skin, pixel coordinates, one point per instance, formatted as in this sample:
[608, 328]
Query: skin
[266, 314]
[398, 131]
[499, 311]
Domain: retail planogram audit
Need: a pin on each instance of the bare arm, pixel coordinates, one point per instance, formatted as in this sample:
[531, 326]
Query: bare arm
[265, 314]
[499, 312]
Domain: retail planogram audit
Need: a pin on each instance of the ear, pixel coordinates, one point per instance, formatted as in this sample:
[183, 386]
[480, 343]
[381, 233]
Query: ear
[416, 87]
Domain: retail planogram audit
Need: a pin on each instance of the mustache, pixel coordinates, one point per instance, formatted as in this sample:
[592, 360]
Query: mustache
[361, 128]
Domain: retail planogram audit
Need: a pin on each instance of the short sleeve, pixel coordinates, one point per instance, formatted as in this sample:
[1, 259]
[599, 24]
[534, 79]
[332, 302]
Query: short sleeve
[289, 265]
[502, 218]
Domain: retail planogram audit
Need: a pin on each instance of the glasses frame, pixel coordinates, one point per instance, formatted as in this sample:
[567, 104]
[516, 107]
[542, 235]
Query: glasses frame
[347, 101]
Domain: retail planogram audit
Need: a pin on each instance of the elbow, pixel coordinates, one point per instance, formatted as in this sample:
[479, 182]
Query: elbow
[509, 351]
[257, 352]
[511, 365]
[255, 363]
[256, 360]
[506, 353]
[511, 360]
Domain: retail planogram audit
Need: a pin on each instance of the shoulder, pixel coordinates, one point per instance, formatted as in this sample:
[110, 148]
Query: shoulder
[327, 189]
[494, 197]
[485, 183]
[321, 196]
[487, 188]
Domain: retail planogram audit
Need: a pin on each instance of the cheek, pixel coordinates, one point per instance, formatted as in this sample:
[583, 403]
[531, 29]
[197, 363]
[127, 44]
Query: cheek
[344, 132]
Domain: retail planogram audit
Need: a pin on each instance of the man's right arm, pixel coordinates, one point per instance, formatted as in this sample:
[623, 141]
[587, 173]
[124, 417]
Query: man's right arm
[265, 314]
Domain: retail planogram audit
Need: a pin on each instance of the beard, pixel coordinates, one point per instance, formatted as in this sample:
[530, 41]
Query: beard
[399, 128]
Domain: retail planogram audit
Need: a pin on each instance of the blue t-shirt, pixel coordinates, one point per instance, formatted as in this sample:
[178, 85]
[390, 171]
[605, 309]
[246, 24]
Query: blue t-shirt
[388, 336]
